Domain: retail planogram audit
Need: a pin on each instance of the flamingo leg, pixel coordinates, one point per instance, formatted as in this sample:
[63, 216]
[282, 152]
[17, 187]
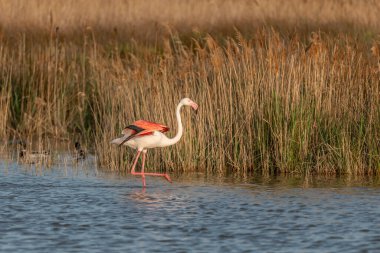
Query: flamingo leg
[135, 162]
[142, 169]
[142, 173]
[166, 176]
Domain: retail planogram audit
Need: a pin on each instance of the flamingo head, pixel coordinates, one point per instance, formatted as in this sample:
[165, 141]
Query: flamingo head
[189, 102]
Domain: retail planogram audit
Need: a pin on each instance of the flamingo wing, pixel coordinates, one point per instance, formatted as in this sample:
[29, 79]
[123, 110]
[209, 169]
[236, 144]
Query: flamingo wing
[141, 128]
[148, 127]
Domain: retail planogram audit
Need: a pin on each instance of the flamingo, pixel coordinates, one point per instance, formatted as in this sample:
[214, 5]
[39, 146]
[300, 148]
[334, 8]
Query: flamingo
[143, 135]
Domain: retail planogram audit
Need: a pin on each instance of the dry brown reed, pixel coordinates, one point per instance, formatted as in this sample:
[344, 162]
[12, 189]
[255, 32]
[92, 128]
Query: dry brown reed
[271, 100]
[150, 20]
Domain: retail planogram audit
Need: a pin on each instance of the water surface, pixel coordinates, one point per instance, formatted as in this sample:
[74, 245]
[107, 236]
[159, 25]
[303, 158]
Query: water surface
[75, 209]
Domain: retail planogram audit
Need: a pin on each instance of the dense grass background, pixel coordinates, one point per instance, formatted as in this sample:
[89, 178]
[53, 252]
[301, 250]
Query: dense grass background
[290, 88]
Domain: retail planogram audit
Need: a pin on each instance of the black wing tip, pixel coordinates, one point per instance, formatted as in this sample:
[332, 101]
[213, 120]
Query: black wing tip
[135, 128]
[127, 139]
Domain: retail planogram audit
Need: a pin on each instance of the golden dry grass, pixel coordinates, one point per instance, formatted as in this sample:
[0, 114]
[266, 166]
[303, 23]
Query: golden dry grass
[149, 20]
[289, 88]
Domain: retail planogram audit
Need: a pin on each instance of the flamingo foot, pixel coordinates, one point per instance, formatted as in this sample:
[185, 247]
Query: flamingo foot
[167, 177]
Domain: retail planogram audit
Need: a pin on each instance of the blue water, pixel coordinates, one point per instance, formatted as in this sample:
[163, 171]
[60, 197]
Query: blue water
[78, 209]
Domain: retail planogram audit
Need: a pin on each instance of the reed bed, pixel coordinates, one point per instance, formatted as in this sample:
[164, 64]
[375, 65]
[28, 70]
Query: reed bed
[150, 20]
[272, 100]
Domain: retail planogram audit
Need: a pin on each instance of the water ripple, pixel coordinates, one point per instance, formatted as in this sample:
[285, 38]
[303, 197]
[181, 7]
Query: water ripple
[92, 213]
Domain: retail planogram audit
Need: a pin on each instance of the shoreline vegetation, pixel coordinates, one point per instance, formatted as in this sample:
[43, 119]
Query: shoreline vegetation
[282, 88]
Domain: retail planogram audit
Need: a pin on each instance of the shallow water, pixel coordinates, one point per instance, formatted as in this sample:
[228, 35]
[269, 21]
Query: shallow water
[67, 209]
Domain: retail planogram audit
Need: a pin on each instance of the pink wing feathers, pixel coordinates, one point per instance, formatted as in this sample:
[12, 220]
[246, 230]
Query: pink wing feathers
[141, 128]
[149, 127]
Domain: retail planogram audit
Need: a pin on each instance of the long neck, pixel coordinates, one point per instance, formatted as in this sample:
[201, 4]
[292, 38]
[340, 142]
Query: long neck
[178, 136]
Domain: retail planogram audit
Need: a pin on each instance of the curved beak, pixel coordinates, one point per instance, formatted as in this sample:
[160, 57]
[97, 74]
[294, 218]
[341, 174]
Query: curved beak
[194, 106]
